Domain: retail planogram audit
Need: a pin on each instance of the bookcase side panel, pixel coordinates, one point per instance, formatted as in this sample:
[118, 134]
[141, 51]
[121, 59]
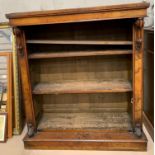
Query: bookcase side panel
[25, 79]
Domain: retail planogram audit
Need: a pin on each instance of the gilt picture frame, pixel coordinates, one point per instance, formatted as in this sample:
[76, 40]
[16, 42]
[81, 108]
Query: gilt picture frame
[3, 127]
[9, 104]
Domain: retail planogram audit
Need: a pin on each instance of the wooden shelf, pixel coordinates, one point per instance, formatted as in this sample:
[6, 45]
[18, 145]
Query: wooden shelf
[77, 54]
[80, 42]
[82, 87]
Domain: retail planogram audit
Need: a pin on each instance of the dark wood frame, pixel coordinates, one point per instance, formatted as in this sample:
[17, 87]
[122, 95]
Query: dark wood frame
[105, 140]
[10, 92]
[5, 127]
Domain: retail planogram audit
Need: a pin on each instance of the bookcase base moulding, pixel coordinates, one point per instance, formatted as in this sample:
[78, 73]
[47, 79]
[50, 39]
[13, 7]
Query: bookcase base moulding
[81, 73]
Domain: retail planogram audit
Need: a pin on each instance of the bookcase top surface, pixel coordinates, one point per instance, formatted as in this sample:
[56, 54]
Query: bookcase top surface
[131, 10]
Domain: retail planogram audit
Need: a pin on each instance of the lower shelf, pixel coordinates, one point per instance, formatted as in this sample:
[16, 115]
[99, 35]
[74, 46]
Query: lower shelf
[86, 140]
[104, 120]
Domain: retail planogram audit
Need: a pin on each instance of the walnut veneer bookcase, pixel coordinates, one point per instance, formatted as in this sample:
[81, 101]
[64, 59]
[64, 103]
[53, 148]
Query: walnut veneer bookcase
[81, 73]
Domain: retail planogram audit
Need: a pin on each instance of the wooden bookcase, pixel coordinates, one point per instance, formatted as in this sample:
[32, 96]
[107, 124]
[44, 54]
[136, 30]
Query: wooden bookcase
[81, 75]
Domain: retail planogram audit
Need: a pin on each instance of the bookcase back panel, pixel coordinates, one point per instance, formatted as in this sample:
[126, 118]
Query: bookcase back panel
[111, 102]
[85, 111]
[68, 48]
[92, 68]
[103, 30]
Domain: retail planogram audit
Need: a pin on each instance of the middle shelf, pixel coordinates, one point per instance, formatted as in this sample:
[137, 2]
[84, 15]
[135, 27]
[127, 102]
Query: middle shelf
[82, 87]
[40, 55]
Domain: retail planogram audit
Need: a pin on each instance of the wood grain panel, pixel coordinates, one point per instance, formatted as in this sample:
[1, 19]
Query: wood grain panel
[111, 102]
[92, 68]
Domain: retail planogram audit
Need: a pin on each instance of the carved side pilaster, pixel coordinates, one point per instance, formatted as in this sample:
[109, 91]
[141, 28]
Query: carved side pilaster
[19, 44]
[139, 24]
[138, 75]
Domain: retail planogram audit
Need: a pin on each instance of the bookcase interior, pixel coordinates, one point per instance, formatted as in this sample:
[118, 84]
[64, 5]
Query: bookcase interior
[81, 74]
